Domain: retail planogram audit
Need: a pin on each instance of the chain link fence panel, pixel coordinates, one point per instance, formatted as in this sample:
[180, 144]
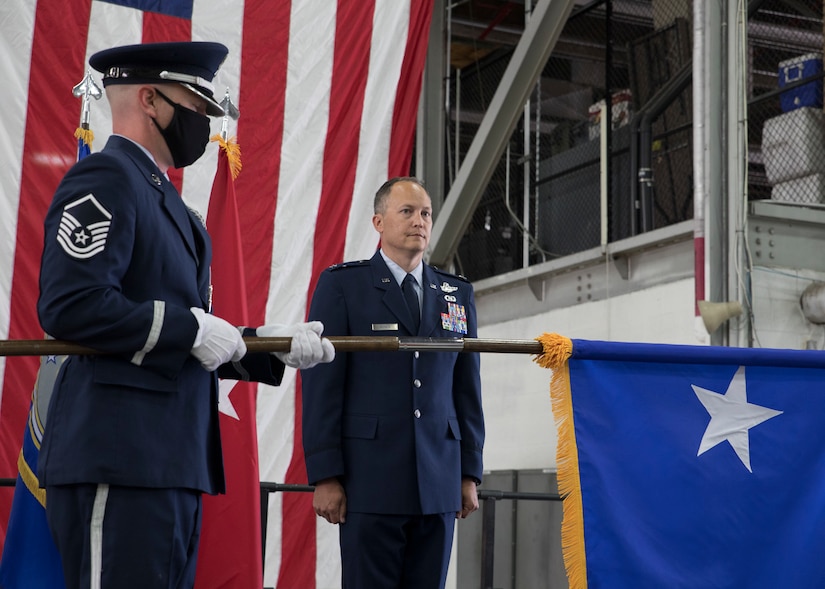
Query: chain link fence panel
[786, 124]
[544, 199]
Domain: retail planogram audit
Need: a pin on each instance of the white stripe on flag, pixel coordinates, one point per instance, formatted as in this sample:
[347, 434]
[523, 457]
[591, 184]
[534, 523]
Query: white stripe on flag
[306, 119]
[15, 47]
[220, 22]
[109, 25]
[386, 57]
[306, 115]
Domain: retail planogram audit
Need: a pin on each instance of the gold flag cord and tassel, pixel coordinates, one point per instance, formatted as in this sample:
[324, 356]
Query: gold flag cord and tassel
[556, 350]
[85, 135]
[233, 153]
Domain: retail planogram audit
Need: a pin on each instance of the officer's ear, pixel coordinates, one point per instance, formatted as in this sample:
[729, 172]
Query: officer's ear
[148, 99]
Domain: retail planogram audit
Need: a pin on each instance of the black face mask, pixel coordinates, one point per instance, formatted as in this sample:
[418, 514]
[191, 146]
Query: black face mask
[186, 135]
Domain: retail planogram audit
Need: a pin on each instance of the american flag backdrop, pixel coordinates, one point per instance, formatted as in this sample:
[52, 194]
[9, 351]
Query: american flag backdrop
[328, 92]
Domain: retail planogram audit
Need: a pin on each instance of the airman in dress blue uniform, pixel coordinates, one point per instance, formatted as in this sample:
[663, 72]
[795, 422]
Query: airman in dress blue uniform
[393, 441]
[132, 439]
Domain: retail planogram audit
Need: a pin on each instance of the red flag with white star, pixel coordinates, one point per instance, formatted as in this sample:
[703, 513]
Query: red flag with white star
[230, 550]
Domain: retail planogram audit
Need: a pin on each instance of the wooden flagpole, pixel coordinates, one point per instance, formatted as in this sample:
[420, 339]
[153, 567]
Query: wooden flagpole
[49, 347]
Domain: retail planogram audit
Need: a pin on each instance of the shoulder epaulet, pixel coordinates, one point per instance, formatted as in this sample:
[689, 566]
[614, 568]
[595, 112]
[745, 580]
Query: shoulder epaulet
[343, 265]
[450, 274]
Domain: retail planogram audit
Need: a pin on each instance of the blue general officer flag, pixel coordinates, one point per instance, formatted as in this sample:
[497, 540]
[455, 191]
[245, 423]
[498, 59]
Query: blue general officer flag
[30, 559]
[690, 467]
[84, 142]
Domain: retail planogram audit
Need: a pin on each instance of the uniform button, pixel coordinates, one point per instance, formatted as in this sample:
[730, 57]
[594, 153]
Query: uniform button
[417, 413]
[417, 383]
[416, 354]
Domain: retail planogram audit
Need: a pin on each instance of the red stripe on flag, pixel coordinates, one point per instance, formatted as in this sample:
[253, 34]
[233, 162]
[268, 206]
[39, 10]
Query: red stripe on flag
[298, 538]
[265, 44]
[409, 88]
[49, 150]
[262, 99]
[260, 129]
[162, 28]
[349, 81]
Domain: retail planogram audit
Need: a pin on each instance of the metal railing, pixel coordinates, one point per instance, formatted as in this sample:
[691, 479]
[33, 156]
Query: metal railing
[488, 526]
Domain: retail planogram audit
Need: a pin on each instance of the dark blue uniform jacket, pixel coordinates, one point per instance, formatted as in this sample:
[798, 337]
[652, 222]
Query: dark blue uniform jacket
[124, 259]
[399, 429]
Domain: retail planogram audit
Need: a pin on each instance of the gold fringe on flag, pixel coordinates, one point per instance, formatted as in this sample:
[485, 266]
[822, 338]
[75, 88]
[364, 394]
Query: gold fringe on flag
[556, 352]
[30, 480]
[233, 153]
[85, 135]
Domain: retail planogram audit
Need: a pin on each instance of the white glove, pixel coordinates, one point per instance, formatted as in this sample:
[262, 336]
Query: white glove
[308, 348]
[217, 342]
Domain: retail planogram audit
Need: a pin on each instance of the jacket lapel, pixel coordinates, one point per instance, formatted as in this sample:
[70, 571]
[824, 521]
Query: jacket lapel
[171, 200]
[203, 246]
[177, 211]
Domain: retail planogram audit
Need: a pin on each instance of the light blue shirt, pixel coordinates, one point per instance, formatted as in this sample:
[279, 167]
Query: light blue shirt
[399, 274]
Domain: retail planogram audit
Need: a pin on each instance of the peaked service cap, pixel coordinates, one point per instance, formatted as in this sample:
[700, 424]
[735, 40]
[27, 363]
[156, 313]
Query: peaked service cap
[192, 64]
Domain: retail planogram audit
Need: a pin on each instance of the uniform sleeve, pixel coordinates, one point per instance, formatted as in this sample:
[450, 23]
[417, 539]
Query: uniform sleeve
[256, 366]
[90, 233]
[323, 387]
[467, 397]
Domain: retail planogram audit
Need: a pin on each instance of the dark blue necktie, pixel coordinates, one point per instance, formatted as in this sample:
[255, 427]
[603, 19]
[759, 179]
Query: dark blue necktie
[408, 287]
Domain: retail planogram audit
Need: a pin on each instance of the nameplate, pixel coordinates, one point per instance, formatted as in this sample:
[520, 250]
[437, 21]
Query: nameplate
[385, 326]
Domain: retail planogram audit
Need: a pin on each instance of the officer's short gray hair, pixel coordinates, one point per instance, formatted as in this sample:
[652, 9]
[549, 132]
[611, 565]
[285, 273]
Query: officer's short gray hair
[379, 205]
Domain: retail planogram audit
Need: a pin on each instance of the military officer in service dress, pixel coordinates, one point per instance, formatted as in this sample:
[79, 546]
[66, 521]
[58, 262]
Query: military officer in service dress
[132, 439]
[393, 441]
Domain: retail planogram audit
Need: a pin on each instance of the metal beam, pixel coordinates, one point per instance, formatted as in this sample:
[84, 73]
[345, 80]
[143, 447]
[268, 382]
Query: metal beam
[530, 55]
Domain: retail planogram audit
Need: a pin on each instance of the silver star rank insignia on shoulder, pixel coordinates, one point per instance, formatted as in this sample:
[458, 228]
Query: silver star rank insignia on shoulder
[84, 227]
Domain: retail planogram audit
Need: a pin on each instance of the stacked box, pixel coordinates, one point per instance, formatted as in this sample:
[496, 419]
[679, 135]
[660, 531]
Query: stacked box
[794, 70]
[805, 190]
[793, 145]
[621, 111]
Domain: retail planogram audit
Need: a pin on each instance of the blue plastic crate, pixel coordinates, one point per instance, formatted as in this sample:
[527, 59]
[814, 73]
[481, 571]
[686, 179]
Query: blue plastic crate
[799, 68]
